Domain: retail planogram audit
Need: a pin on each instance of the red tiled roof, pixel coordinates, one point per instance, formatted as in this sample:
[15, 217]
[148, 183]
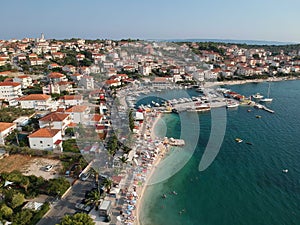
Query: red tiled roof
[54, 117]
[14, 84]
[44, 133]
[72, 124]
[97, 117]
[41, 97]
[72, 97]
[4, 126]
[57, 142]
[55, 75]
[77, 108]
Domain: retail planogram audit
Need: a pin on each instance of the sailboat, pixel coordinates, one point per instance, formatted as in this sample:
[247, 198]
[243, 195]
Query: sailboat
[268, 99]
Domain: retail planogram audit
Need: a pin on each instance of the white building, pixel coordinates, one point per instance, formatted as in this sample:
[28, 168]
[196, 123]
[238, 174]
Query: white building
[58, 121]
[25, 81]
[10, 90]
[37, 101]
[79, 113]
[71, 100]
[5, 130]
[87, 82]
[46, 139]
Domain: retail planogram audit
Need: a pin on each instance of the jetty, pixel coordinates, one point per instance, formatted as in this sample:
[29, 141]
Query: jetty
[174, 142]
[259, 106]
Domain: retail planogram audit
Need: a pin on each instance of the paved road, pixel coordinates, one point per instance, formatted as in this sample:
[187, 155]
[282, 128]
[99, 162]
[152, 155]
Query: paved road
[67, 204]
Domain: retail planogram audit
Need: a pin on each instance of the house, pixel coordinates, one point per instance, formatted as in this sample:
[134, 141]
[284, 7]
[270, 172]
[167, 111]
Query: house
[55, 120]
[113, 83]
[80, 57]
[58, 55]
[5, 130]
[76, 77]
[53, 65]
[71, 100]
[69, 69]
[36, 101]
[95, 120]
[79, 114]
[36, 62]
[66, 86]
[85, 70]
[10, 90]
[46, 139]
[51, 89]
[162, 81]
[26, 81]
[87, 82]
[57, 77]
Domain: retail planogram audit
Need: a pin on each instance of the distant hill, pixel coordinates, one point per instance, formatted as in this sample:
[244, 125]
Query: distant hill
[248, 42]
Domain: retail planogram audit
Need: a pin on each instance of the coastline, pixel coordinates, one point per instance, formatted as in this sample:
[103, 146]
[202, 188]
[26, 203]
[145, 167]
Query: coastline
[237, 82]
[153, 168]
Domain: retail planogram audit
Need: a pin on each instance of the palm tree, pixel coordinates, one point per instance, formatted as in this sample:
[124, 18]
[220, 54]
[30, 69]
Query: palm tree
[123, 160]
[94, 198]
[108, 183]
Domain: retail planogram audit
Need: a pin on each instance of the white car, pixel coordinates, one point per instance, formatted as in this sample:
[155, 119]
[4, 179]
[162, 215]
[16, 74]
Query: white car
[48, 168]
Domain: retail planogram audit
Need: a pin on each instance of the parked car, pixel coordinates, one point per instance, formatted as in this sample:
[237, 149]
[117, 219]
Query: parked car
[85, 176]
[48, 168]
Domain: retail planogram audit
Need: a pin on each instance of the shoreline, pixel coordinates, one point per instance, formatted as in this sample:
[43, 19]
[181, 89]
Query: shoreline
[237, 82]
[153, 169]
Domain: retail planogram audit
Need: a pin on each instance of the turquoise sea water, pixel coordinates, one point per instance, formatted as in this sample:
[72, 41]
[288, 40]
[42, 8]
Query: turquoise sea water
[245, 183]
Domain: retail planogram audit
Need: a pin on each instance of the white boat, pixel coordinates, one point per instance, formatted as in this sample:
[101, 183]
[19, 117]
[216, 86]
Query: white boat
[232, 104]
[268, 99]
[257, 96]
[285, 170]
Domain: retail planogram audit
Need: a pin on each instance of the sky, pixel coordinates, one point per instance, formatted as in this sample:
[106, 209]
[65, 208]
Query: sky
[271, 20]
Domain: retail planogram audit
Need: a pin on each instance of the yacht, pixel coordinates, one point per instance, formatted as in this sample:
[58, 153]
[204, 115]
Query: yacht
[268, 99]
[257, 96]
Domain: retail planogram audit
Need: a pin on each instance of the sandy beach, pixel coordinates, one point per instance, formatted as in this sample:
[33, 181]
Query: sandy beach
[154, 165]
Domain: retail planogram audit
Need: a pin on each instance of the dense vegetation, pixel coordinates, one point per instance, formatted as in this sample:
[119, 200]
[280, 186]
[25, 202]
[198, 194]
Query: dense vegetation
[14, 195]
[9, 114]
[79, 219]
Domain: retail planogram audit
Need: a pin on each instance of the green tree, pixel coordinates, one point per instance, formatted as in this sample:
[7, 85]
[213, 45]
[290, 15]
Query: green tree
[58, 186]
[93, 198]
[131, 120]
[17, 200]
[77, 219]
[112, 145]
[108, 183]
[22, 218]
[6, 211]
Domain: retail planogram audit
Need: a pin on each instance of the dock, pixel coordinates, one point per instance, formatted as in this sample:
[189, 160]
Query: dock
[259, 106]
[174, 142]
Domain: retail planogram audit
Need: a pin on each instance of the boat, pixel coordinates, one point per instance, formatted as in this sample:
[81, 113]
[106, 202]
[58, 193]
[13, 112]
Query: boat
[285, 170]
[238, 140]
[257, 96]
[268, 99]
[232, 104]
[249, 110]
[249, 143]
[257, 116]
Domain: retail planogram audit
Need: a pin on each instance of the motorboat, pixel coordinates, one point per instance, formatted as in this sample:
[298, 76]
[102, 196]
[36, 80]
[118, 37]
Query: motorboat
[238, 140]
[285, 170]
